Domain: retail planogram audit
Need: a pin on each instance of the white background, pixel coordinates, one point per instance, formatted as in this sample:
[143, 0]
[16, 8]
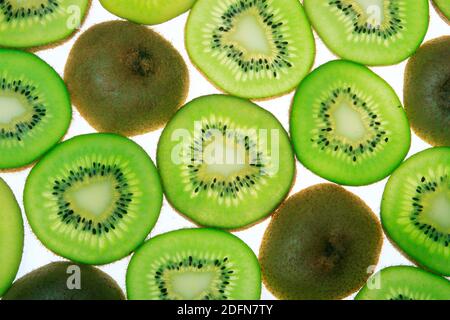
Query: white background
[36, 255]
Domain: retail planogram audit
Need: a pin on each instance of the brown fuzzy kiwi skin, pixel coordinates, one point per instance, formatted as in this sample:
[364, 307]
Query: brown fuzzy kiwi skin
[306, 197]
[59, 42]
[112, 75]
[426, 72]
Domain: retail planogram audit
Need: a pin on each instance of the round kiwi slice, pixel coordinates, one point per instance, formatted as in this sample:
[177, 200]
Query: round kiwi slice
[147, 12]
[405, 283]
[415, 210]
[225, 162]
[443, 8]
[38, 23]
[427, 91]
[194, 264]
[11, 237]
[125, 78]
[251, 48]
[94, 198]
[348, 125]
[35, 109]
[322, 243]
[65, 281]
[371, 32]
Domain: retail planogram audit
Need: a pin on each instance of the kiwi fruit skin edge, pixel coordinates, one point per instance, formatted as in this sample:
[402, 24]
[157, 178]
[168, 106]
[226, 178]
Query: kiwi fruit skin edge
[51, 282]
[65, 228]
[443, 9]
[323, 150]
[398, 223]
[427, 91]
[287, 263]
[194, 251]
[405, 283]
[147, 12]
[335, 32]
[52, 43]
[46, 97]
[204, 205]
[11, 237]
[263, 89]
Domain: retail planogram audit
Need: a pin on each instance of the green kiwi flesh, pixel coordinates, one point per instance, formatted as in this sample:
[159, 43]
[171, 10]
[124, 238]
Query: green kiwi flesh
[94, 198]
[194, 264]
[443, 8]
[321, 244]
[37, 23]
[348, 125]
[125, 78]
[427, 91]
[251, 48]
[147, 12]
[405, 283]
[415, 210]
[65, 281]
[371, 32]
[11, 237]
[35, 109]
[225, 162]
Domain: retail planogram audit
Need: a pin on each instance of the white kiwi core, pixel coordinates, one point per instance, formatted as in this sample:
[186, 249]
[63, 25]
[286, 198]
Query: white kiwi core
[11, 108]
[94, 198]
[373, 11]
[191, 285]
[250, 34]
[437, 210]
[348, 122]
[224, 157]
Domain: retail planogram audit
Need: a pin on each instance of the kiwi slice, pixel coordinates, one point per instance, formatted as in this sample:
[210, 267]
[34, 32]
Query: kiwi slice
[11, 237]
[94, 198]
[371, 32]
[225, 162]
[415, 210]
[322, 243]
[251, 48]
[125, 78]
[405, 283]
[443, 8]
[427, 91]
[194, 264]
[37, 23]
[65, 281]
[35, 109]
[348, 125]
[147, 12]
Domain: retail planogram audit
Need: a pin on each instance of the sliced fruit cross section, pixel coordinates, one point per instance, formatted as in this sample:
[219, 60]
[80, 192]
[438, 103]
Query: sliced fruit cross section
[415, 210]
[11, 237]
[35, 23]
[225, 162]
[35, 109]
[371, 32]
[348, 125]
[251, 48]
[194, 264]
[94, 198]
